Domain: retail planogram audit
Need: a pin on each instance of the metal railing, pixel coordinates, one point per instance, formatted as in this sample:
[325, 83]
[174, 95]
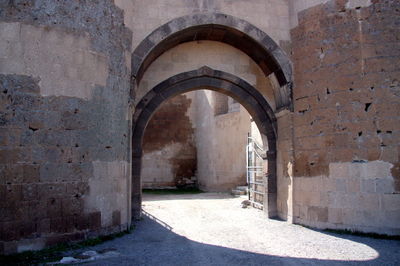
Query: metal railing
[254, 172]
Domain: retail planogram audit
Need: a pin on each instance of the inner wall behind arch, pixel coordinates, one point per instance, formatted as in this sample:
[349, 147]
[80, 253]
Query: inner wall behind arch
[197, 140]
[216, 55]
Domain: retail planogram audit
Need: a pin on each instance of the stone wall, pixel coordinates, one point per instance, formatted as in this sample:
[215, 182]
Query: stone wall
[64, 122]
[142, 17]
[221, 144]
[169, 148]
[216, 55]
[346, 117]
[65, 110]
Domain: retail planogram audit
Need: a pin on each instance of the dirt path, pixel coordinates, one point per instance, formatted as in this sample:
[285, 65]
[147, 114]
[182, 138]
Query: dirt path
[213, 229]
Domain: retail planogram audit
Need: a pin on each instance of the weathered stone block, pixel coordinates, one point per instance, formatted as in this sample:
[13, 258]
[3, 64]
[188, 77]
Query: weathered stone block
[95, 220]
[116, 218]
[376, 169]
[72, 206]
[319, 214]
[341, 185]
[353, 185]
[368, 186]
[54, 207]
[30, 192]
[31, 173]
[368, 201]
[390, 202]
[384, 186]
[335, 215]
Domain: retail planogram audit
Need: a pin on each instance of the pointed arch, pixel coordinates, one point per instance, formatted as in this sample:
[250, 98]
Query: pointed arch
[223, 28]
[215, 80]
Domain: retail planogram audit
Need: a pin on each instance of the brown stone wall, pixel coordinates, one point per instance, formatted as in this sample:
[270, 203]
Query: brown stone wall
[346, 120]
[64, 123]
[169, 150]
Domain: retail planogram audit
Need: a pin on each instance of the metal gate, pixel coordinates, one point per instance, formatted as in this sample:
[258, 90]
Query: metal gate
[254, 173]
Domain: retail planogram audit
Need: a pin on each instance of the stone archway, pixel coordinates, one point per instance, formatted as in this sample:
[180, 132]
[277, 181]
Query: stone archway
[215, 80]
[222, 28]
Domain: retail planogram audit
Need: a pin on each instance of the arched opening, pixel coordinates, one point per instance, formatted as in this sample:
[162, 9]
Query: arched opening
[271, 62]
[191, 144]
[222, 28]
[218, 81]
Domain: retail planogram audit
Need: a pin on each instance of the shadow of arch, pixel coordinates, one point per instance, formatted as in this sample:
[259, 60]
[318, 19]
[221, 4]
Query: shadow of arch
[222, 28]
[215, 80]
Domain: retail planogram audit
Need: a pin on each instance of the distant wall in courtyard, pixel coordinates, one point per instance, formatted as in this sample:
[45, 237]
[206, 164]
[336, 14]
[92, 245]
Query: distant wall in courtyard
[221, 140]
[197, 138]
[169, 148]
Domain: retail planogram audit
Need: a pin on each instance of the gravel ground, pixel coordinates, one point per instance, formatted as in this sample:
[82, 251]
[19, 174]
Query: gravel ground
[213, 229]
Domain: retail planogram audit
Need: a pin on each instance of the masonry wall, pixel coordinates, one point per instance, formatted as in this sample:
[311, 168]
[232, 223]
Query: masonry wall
[64, 123]
[142, 17]
[221, 143]
[185, 57]
[169, 148]
[346, 119]
[65, 111]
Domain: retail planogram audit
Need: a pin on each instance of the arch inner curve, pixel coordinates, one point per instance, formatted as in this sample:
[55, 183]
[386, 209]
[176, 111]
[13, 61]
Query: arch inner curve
[223, 28]
[215, 80]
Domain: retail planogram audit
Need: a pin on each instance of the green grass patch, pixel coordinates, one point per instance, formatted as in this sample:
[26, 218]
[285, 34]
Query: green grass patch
[171, 191]
[56, 253]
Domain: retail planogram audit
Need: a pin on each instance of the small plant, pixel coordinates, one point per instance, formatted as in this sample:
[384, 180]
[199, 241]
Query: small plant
[56, 253]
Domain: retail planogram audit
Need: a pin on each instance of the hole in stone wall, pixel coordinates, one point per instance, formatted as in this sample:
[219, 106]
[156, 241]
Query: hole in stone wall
[359, 161]
[33, 128]
[389, 132]
[367, 106]
[394, 83]
[328, 91]
[360, 133]
[303, 111]
[372, 88]
[378, 131]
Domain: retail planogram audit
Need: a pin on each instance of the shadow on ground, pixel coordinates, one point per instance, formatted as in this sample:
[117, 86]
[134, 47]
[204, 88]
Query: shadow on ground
[153, 243]
[148, 196]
